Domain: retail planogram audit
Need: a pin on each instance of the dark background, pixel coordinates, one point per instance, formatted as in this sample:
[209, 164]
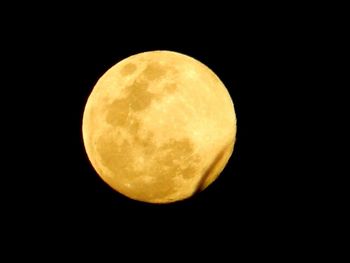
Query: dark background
[253, 184]
[252, 190]
[55, 191]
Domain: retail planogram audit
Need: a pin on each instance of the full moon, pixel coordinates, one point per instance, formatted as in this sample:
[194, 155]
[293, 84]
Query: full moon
[159, 127]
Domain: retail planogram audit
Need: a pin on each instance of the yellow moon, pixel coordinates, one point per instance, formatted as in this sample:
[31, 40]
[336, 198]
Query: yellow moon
[159, 126]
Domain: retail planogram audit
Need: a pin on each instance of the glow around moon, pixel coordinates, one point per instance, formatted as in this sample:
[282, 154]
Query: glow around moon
[159, 127]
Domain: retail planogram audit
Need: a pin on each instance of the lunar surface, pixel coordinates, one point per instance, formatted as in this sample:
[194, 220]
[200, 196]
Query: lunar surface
[159, 126]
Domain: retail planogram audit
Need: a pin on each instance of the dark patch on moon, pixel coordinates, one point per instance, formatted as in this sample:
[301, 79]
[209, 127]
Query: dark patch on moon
[179, 152]
[120, 111]
[128, 69]
[154, 71]
[139, 97]
[171, 87]
[116, 157]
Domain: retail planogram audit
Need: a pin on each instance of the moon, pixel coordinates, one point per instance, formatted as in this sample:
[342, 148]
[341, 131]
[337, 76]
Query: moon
[159, 127]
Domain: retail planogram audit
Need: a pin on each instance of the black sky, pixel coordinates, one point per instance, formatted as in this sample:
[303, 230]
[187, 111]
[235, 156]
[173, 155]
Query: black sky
[256, 192]
[251, 186]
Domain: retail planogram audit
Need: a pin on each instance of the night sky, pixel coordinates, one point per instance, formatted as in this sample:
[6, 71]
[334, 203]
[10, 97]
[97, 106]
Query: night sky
[59, 191]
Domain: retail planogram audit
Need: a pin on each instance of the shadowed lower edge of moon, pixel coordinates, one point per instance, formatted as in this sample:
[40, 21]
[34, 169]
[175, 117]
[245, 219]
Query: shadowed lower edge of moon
[215, 168]
[173, 159]
[162, 170]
